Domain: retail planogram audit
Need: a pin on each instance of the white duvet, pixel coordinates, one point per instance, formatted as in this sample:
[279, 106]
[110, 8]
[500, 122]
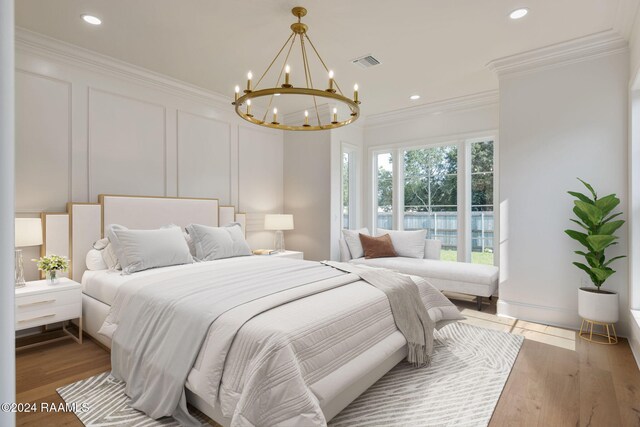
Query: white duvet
[270, 371]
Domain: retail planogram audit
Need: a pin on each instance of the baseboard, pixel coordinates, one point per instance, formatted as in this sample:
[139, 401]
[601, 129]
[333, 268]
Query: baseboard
[552, 316]
[634, 335]
[540, 314]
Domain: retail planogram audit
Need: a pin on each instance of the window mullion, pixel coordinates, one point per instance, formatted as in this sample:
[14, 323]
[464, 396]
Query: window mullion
[464, 201]
[398, 189]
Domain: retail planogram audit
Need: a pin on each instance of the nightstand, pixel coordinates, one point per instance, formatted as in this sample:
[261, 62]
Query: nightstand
[289, 254]
[40, 304]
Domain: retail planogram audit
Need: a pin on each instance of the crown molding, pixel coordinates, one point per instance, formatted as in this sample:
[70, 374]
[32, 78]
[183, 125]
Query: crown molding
[41, 45]
[461, 103]
[584, 48]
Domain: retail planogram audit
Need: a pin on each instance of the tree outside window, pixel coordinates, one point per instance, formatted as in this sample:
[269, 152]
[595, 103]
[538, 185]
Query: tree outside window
[431, 195]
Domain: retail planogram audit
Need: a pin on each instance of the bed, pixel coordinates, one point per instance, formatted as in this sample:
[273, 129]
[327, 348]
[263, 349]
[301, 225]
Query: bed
[344, 337]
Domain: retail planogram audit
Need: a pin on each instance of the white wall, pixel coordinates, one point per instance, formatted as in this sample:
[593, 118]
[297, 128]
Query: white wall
[634, 48]
[634, 215]
[89, 125]
[313, 189]
[557, 124]
[634, 187]
[434, 121]
[7, 140]
[307, 192]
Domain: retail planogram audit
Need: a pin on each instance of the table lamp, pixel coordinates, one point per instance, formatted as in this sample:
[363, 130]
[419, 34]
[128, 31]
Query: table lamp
[278, 223]
[28, 232]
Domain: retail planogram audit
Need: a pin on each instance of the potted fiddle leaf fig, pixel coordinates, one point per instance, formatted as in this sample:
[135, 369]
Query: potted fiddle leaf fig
[597, 233]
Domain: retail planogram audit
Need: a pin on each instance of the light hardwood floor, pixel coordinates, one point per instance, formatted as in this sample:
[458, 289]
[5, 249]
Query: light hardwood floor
[557, 380]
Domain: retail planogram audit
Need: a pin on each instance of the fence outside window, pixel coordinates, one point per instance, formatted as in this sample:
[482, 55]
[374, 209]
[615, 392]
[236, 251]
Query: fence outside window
[443, 226]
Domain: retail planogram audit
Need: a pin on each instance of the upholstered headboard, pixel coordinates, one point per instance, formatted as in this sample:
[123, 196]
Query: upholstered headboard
[142, 213]
[73, 233]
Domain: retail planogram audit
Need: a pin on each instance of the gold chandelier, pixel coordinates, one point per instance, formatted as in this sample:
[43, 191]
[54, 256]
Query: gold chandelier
[333, 92]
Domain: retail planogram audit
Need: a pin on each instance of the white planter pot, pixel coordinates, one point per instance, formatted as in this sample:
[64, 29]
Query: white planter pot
[598, 306]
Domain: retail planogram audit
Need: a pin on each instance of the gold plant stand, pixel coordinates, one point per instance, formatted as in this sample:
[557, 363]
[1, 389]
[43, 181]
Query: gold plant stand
[587, 333]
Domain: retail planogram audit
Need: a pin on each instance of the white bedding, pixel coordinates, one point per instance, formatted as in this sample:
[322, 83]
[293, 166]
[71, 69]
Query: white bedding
[325, 332]
[330, 329]
[103, 284]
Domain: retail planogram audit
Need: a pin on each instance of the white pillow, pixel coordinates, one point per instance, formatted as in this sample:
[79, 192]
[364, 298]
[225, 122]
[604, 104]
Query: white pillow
[108, 255]
[218, 242]
[139, 250]
[95, 261]
[352, 237]
[408, 244]
[192, 246]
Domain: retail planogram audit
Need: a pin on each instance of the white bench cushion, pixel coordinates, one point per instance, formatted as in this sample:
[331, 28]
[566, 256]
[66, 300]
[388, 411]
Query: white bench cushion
[463, 277]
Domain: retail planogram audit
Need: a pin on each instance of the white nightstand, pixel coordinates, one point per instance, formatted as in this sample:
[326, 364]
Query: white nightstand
[40, 304]
[289, 254]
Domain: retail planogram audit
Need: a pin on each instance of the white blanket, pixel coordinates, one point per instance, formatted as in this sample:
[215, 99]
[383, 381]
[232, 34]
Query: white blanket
[269, 374]
[158, 326]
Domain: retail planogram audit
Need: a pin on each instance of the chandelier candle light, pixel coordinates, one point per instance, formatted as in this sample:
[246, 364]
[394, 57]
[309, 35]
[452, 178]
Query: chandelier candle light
[332, 93]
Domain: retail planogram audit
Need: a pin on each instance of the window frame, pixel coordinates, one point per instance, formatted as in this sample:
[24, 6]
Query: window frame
[463, 143]
[373, 220]
[469, 193]
[354, 168]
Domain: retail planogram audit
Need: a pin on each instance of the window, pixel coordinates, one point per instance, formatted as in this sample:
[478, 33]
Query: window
[349, 186]
[345, 190]
[446, 188]
[482, 219]
[384, 187]
[431, 195]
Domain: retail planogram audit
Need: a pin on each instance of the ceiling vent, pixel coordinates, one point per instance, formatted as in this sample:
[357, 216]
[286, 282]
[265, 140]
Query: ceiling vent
[366, 61]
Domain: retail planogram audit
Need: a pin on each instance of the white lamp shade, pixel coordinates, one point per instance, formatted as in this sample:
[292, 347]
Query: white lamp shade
[28, 232]
[278, 222]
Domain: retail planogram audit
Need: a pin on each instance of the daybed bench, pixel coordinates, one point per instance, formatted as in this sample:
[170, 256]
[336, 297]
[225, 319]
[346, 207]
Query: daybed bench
[461, 277]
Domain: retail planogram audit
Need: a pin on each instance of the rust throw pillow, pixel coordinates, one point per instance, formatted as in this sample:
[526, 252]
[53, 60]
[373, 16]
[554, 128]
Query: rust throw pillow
[377, 247]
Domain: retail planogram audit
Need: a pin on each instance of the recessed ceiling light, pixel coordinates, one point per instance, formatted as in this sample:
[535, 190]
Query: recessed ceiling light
[276, 94]
[90, 19]
[519, 13]
[414, 97]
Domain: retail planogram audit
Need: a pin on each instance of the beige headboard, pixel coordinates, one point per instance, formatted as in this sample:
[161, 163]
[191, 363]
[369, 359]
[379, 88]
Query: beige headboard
[72, 234]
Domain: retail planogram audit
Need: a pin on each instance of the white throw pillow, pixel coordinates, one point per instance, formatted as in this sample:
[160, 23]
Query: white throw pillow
[95, 261]
[108, 255]
[408, 244]
[192, 246]
[139, 250]
[352, 237]
[218, 242]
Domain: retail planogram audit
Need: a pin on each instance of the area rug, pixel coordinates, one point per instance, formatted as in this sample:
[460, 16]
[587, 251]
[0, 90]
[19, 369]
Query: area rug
[461, 387]
[100, 401]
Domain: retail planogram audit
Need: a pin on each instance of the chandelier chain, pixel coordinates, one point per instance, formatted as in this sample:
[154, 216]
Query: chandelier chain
[307, 71]
[272, 62]
[323, 64]
[304, 61]
[284, 64]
